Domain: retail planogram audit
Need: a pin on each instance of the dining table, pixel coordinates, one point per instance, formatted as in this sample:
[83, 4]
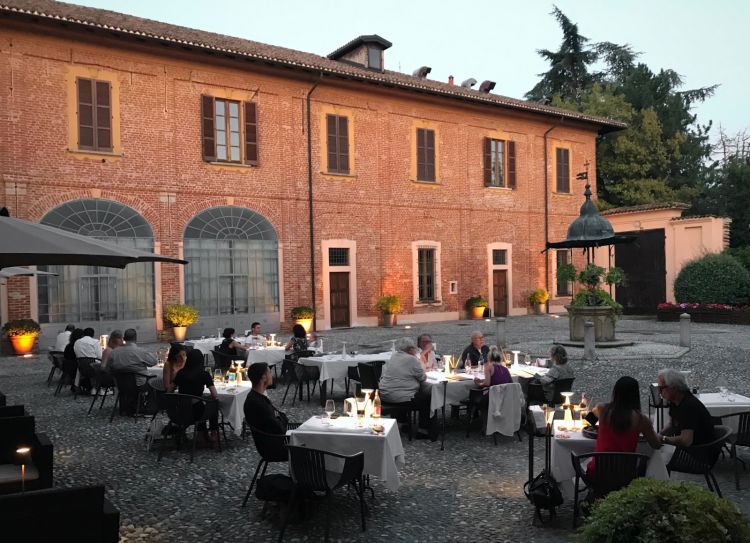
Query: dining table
[567, 440]
[720, 404]
[336, 366]
[383, 451]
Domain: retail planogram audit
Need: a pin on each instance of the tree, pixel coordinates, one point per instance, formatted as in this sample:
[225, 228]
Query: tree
[661, 156]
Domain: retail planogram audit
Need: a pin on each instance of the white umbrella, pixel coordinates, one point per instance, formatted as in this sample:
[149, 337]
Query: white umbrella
[24, 243]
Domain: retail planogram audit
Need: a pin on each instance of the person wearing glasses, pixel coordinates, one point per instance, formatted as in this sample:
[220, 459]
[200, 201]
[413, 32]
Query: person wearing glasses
[691, 422]
[476, 351]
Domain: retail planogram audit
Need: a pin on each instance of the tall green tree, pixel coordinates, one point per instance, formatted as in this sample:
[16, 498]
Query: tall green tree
[660, 157]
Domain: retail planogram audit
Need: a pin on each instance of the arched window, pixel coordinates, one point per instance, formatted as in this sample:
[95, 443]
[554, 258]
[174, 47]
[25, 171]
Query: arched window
[233, 262]
[93, 293]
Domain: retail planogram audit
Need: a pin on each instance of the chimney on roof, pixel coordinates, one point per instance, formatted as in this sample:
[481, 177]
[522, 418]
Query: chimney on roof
[486, 86]
[450, 80]
[469, 83]
[364, 51]
[422, 72]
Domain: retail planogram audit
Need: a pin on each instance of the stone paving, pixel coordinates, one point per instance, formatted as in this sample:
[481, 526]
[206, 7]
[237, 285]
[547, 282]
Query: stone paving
[469, 492]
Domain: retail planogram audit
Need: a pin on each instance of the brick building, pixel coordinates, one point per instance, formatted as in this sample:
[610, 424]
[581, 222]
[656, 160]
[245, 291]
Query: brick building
[285, 178]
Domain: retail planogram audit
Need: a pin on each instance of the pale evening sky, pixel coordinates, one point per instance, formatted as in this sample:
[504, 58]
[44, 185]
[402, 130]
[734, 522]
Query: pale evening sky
[496, 40]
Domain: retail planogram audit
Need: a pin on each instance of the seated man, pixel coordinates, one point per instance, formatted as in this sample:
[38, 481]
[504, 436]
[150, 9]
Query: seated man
[88, 346]
[475, 351]
[691, 422]
[63, 338]
[401, 382]
[259, 411]
[130, 358]
[256, 337]
[426, 352]
[231, 346]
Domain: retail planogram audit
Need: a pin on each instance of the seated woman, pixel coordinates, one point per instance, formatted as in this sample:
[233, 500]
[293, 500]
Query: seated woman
[231, 346]
[621, 421]
[560, 370]
[192, 379]
[299, 339]
[175, 362]
[426, 352]
[70, 363]
[495, 373]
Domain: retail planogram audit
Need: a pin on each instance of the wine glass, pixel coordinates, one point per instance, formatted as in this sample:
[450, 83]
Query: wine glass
[218, 377]
[330, 408]
[360, 399]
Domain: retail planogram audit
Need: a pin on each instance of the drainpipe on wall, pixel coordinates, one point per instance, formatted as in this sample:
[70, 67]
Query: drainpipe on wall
[310, 199]
[546, 208]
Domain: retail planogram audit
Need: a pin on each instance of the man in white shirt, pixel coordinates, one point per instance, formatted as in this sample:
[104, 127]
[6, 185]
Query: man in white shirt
[64, 337]
[256, 338]
[88, 346]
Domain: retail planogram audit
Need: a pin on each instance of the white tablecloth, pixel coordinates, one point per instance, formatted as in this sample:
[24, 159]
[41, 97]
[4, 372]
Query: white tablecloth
[269, 355]
[565, 442]
[204, 345]
[335, 366]
[457, 388]
[384, 453]
[720, 406]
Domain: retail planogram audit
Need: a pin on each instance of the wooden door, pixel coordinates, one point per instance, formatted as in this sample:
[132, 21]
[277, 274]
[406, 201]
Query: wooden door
[644, 264]
[500, 292]
[339, 282]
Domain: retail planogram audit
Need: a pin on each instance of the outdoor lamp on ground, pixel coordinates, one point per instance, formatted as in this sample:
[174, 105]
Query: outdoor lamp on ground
[23, 454]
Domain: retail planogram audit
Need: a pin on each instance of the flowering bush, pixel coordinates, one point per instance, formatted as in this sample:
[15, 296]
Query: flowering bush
[670, 305]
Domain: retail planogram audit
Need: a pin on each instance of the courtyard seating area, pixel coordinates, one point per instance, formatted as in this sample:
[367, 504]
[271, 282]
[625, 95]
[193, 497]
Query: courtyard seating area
[471, 490]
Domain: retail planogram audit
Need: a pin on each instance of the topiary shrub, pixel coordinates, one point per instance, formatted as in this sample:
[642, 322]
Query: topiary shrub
[664, 511]
[742, 254]
[713, 279]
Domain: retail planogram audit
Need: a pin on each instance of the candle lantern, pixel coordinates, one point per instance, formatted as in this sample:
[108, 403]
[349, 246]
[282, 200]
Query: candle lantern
[22, 456]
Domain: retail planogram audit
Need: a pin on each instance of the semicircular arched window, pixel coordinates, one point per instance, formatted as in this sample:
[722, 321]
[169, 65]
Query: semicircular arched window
[94, 293]
[233, 262]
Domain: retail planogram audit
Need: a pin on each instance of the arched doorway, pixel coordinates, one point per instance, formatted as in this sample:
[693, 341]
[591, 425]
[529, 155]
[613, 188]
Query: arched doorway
[103, 298]
[233, 274]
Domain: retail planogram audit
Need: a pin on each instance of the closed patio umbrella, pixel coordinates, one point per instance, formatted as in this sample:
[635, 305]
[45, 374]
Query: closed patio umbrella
[24, 243]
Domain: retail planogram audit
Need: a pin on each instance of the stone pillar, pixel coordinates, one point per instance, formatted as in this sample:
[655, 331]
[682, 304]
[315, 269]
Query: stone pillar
[589, 341]
[500, 331]
[684, 330]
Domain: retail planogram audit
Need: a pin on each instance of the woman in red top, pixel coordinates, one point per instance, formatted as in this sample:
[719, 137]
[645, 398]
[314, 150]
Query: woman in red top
[621, 421]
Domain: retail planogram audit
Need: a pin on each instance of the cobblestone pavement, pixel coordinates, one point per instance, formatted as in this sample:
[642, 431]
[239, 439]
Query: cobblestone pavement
[469, 492]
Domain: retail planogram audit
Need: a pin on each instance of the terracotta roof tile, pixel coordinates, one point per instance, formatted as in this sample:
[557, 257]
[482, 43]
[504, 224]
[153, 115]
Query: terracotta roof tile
[110, 21]
[645, 207]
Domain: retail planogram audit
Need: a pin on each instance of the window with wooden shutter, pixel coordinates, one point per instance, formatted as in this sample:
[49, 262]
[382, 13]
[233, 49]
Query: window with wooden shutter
[426, 274]
[425, 154]
[487, 162]
[511, 164]
[337, 130]
[208, 146]
[94, 114]
[562, 160]
[563, 287]
[251, 133]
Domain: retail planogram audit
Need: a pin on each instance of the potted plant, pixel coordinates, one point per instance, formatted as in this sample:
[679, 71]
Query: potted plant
[303, 315]
[22, 334]
[476, 306]
[389, 306]
[592, 303]
[180, 316]
[538, 298]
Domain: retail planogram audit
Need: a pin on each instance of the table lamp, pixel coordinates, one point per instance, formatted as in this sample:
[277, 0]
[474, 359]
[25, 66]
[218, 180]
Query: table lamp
[23, 454]
[515, 357]
[567, 408]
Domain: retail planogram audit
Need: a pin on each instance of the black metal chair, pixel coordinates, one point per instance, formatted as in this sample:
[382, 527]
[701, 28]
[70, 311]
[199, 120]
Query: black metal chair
[700, 459]
[301, 376]
[613, 471]
[182, 412]
[105, 385]
[740, 438]
[222, 361]
[368, 375]
[130, 397]
[86, 372]
[271, 448]
[537, 396]
[56, 359]
[68, 377]
[656, 402]
[309, 474]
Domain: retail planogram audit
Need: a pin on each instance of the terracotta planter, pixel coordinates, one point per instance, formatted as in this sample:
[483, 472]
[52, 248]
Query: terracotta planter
[603, 317]
[477, 312]
[23, 344]
[389, 320]
[179, 332]
[306, 323]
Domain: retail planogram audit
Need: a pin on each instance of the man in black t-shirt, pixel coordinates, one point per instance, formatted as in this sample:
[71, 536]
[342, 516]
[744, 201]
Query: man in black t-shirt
[259, 411]
[475, 351]
[691, 422]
